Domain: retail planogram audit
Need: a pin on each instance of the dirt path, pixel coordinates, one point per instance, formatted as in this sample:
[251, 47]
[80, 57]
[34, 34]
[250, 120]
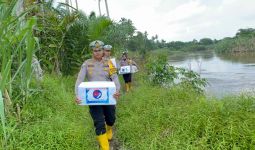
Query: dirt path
[114, 143]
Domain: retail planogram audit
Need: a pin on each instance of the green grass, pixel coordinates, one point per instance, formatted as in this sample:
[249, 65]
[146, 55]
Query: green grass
[147, 118]
[156, 118]
[51, 120]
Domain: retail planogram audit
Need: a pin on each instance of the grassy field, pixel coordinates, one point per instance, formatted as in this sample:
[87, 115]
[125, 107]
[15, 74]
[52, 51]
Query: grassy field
[156, 118]
[147, 118]
[51, 120]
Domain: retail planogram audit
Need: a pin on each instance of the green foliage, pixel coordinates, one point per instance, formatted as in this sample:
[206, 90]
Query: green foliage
[244, 41]
[205, 41]
[52, 120]
[149, 117]
[160, 73]
[191, 80]
[158, 118]
[225, 45]
[18, 46]
[202, 45]
[75, 45]
[97, 27]
[3, 118]
[61, 42]
[64, 38]
[249, 32]
[163, 74]
[119, 33]
[175, 45]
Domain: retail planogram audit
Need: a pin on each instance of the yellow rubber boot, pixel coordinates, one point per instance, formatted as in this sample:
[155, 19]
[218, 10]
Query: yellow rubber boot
[127, 87]
[109, 132]
[103, 142]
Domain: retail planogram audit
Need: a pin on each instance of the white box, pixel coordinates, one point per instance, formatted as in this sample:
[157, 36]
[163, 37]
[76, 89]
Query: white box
[97, 93]
[125, 70]
[134, 69]
[128, 69]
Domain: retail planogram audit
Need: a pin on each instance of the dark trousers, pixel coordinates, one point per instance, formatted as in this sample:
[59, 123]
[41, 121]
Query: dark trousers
[127, 77]
[102, 114]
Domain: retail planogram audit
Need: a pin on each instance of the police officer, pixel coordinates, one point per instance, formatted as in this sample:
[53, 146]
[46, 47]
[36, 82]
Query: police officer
[107, 51]
[125, 61]
[98, 69]
[107, 56]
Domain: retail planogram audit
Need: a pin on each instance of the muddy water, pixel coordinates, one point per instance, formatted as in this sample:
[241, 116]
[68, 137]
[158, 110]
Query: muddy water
[226, 74]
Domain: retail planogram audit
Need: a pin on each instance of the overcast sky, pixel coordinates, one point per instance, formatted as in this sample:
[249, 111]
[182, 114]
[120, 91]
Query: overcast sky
[183, 20]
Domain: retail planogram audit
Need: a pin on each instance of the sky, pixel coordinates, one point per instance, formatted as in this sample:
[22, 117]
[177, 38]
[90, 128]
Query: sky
[180, 20]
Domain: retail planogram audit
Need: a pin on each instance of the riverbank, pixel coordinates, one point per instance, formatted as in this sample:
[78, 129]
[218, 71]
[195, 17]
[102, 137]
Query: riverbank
[148, 117]
[158, 118]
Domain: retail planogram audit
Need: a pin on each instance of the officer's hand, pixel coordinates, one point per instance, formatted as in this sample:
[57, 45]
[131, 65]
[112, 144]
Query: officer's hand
[77, 100]
[116, 95]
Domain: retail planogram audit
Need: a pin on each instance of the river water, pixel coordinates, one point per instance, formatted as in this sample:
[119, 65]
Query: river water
[227, 75]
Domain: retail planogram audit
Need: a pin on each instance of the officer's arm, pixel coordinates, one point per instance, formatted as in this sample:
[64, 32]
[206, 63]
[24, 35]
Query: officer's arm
[121, 63]
[115, 79]
[80, 78]
[118, 64]
[134, 63]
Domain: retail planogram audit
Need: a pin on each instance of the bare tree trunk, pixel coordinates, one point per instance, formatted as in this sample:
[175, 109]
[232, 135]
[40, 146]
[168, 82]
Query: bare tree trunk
[71, 4]
[67, 7]
[107, 9]
[99, 7]
[76, 4]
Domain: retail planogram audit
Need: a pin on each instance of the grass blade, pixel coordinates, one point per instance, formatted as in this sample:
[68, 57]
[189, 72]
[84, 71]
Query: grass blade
[2, 114]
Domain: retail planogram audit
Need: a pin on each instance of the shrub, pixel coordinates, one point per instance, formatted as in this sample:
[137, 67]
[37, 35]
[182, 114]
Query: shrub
[162, 74]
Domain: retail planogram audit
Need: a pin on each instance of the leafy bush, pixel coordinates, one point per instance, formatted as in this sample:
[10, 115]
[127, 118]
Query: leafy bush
[191, 79]
[163, 74]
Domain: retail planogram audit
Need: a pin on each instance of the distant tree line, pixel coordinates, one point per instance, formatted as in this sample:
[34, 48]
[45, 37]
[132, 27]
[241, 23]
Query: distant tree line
[243, 41]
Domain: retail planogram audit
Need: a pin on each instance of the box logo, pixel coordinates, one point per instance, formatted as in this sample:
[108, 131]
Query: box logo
[97, 94]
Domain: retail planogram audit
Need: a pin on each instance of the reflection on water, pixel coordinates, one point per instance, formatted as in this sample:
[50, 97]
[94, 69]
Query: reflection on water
[225, 74]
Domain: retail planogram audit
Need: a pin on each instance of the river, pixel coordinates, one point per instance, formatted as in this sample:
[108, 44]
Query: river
[227, 75]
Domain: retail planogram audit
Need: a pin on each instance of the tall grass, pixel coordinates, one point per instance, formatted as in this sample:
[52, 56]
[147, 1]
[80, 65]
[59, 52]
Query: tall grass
[52, 120]
[2, 114]
[152, 118]
[17, 48]
[148, 118]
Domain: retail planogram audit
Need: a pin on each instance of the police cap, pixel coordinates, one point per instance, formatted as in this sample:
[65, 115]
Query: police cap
[107, 47]
[96, 44]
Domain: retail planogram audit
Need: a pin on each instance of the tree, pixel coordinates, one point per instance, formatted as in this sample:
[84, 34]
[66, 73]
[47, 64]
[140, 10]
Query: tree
[206, 41]
[118, 34]
[99, 7]
[76, 2]
[107, 9]
[246, 32]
